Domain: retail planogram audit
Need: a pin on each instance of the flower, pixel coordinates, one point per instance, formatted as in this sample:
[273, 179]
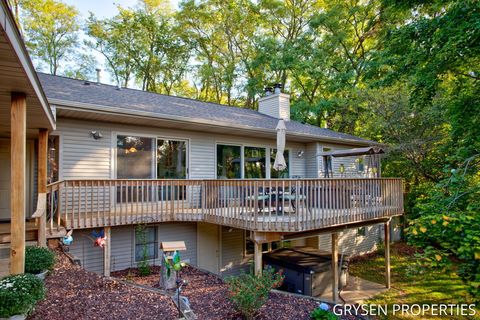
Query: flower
[324, 306]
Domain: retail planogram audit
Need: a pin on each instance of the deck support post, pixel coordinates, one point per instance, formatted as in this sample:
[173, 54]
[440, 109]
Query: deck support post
[42, 183]
[107, 251]
[257, 257]
[387, 254]
[18, 123]
[334, 267]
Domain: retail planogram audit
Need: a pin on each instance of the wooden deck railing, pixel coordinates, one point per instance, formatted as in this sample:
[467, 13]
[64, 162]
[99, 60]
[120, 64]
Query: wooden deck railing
[291, 205]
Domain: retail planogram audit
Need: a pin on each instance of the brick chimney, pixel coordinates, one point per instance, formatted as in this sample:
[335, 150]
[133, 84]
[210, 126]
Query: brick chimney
[275, 103]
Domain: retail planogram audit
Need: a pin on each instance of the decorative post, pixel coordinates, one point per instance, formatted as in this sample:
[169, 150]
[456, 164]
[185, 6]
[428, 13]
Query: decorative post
[42, 183]
[18, 124]
[387, 253]
[107, 251]
[334, 267]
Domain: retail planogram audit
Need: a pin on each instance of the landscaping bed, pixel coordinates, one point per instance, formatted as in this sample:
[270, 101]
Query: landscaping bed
[73, 293]
[208, 297]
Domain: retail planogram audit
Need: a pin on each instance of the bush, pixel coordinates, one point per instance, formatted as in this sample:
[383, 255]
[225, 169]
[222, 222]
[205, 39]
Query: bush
[322, 313]
[38, 259]
[249, 292]
[19, 294]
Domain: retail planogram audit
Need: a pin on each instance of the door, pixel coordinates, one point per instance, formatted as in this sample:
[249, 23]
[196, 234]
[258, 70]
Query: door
[208, 247]
[4, 179]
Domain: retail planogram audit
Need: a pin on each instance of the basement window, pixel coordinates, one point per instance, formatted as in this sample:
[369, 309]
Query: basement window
[146, 243]
[361, 232]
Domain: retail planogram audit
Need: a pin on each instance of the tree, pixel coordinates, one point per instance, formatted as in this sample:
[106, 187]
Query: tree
[50, 28]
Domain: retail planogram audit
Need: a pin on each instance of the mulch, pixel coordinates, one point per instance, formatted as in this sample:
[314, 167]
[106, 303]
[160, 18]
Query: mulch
[73, 293]
[208, 296]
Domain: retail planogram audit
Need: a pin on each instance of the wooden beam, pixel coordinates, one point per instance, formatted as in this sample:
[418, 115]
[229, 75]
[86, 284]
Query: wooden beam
[387, 254]
[334, 267]
[257, 258]
[107, 252]
[42, 183]
[18, 123]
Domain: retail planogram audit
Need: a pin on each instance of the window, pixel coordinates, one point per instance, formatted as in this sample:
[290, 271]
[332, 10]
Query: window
[360, 164]
[274, 174]
[53, 158]
[171, 159]
[146, 243]
[228, 162]
[135, 157]
[361, 232]
[254, 162]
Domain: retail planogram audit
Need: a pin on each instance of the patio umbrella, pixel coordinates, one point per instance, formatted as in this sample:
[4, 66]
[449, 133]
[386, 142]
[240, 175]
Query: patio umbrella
[280, 163]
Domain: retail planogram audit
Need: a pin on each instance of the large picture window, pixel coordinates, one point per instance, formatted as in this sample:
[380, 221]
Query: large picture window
[255, 163]
[228, 162]
[274, 174]
[135, 157]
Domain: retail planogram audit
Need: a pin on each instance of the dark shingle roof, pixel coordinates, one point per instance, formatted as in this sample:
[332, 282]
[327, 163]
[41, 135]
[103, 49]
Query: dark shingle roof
[132, 101]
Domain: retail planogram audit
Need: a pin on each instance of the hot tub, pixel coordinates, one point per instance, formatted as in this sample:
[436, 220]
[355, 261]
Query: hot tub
[307, 271]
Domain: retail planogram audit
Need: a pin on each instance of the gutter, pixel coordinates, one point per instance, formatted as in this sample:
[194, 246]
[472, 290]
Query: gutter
[97, 108]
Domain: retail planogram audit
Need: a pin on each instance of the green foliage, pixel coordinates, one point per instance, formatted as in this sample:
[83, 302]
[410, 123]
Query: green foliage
[411, 285]
[19, 294]
[38, 259]
[249, 292]
[321, 314]
[50, 28]
[141, 235]
[448, 226]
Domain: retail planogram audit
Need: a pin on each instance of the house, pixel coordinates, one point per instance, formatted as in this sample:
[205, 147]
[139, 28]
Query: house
[122, 160]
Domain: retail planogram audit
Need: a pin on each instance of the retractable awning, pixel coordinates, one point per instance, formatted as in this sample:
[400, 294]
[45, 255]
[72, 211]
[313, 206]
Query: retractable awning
[353, 152]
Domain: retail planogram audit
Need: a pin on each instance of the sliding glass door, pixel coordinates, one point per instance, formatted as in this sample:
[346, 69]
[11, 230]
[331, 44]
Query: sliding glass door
[171, 159]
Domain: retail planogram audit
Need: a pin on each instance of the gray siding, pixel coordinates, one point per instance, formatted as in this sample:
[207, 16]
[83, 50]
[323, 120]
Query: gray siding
[123, 246]
[90, 256]
[122, 253]
[352, 244]
[181, 232]
[233, 259]
[83, 157]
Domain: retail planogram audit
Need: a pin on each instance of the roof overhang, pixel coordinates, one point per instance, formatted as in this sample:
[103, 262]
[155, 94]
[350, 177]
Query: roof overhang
[353, 152]
[17, 74]
[95, 112]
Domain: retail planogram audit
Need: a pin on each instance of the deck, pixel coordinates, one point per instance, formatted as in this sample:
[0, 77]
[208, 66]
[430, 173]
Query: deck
[291, 205]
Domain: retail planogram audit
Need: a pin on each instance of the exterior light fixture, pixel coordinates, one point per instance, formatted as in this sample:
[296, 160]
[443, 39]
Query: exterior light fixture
[300, 153]
[96, 135]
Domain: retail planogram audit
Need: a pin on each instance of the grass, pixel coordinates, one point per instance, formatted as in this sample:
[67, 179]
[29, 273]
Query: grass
[408, 285]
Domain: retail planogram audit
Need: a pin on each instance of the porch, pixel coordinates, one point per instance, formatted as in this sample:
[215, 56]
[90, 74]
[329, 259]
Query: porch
[262, 205]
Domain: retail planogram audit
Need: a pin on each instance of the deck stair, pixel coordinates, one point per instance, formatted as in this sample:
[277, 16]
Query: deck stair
[31, 232]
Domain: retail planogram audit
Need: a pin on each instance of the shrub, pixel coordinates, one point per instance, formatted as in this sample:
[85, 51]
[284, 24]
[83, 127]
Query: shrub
[19, 294]
[38, 259]
[249, 292]
[322, 313]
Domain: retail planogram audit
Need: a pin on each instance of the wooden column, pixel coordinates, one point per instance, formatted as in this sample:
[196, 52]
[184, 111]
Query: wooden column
[106, 252]
[334, 267]
[387, 254]
[42, 183]
[18, 137]
[257, 258]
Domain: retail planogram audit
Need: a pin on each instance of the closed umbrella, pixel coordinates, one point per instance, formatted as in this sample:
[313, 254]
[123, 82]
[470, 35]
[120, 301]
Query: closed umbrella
[280, 163]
